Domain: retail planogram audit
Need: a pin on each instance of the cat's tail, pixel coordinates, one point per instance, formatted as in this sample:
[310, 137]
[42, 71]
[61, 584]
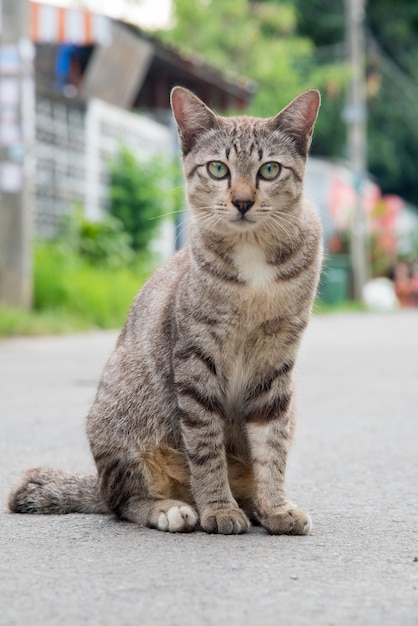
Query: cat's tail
[47, 490]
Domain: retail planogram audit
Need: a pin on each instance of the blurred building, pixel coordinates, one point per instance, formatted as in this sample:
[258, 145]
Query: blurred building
[100, 82]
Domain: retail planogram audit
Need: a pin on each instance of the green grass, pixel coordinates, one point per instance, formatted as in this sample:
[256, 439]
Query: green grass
[18, 322]
[347, 306]
[72, 295]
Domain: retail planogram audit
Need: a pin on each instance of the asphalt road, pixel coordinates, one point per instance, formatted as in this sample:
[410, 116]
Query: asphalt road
[354, 466]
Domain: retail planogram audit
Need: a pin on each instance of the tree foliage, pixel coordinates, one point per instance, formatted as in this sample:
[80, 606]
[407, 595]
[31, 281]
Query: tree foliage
[289, 45]
[392, 85]
[258, 40]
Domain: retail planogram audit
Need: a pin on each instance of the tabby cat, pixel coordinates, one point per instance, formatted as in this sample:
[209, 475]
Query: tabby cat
[195, 413]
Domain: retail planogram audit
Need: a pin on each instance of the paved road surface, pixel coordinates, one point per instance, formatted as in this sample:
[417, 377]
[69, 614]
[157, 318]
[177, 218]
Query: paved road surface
[353, 466]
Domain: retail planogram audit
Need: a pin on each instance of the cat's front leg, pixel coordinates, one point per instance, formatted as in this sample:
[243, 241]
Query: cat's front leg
[269, 435]
[203, 435]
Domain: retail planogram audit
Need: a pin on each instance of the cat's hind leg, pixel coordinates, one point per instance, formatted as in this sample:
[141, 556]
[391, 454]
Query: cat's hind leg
[172, 516]
[153, 490]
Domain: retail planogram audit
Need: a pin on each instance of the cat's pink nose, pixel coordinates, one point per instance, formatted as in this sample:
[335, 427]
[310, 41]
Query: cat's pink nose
[243, 205]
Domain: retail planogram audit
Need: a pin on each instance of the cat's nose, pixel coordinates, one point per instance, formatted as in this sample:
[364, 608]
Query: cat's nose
[243, 205]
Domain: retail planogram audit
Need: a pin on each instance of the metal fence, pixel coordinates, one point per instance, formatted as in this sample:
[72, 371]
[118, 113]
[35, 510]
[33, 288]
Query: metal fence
[74, 144]
[60, 155]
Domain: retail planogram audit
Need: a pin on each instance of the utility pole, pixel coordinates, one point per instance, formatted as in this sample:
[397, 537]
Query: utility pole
[16, 153]
[355, 117]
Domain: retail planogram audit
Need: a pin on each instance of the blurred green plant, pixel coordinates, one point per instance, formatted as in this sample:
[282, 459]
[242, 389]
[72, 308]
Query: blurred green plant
[259, 40]
[100, 242]
[100, 295]
[17, 322]
[391, 86]
[72, 294]
[85, 278]
[142, 194]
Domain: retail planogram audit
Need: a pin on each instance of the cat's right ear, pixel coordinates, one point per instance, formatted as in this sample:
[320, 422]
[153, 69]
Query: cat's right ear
[192, 117]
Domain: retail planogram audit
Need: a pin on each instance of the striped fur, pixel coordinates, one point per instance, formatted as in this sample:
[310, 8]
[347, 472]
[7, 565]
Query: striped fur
[194, 413]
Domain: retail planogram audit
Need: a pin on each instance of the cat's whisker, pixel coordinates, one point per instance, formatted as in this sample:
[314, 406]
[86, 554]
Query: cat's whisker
[278, 223]
[167, 214]
[207, 221]
[180, 232]
[287, 219]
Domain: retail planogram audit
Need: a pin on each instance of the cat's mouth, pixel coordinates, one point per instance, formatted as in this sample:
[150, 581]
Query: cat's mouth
[242, 222]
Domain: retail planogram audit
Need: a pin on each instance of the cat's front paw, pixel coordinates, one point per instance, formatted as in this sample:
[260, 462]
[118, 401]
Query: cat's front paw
[287, 520]
[225, 521]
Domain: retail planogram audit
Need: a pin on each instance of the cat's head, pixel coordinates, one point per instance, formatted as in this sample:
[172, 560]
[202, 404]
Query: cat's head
[243, 172]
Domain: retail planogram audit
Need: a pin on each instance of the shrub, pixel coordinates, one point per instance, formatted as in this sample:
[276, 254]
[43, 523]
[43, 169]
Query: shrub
[104, 243]
[98, 296]
[139, 196]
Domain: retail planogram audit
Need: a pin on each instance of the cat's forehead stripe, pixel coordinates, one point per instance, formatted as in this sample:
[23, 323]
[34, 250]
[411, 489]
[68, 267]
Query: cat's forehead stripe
[245, 136]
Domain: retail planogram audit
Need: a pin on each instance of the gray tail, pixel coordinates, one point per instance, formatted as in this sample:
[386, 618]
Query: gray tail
[47, 490]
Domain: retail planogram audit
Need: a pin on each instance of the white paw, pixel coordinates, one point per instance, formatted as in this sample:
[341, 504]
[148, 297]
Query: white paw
[178, 519]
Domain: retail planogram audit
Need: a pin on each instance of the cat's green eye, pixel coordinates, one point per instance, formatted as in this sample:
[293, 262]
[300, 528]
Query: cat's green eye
[269, 171]
[217, 169]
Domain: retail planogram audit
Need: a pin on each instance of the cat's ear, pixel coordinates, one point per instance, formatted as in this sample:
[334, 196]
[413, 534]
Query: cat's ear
[192, 116]
[298, 118]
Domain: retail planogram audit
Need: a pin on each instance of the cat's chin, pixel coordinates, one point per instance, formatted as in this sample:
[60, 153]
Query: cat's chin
[242, 225]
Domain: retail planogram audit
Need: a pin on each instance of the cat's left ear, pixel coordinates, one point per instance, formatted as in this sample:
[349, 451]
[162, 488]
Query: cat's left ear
[192, 116]
[299, 117]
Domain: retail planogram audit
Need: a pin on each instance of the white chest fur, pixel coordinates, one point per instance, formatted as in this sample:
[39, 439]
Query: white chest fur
[253, 268]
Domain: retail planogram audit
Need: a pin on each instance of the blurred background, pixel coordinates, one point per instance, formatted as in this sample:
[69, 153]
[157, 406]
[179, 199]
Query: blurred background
[91, 195]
